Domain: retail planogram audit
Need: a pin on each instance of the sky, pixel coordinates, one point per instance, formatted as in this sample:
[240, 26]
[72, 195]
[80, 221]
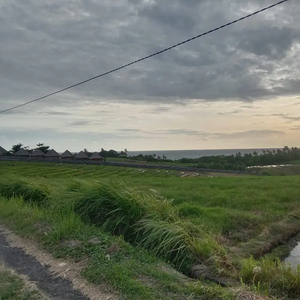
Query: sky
[235, 88]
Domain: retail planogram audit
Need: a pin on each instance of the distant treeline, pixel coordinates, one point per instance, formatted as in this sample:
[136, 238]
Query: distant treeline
[150, 158]
[241, 162]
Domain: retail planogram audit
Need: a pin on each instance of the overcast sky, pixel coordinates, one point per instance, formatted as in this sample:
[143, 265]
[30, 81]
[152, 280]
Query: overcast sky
[236, 88]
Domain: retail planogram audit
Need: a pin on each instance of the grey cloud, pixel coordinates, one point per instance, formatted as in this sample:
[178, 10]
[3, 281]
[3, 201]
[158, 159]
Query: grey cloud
[159, 110]
[285, 116]
[46, 46]
[79, 123]
[292, 118]
[129, 130]
[56, 113]
[271, 42]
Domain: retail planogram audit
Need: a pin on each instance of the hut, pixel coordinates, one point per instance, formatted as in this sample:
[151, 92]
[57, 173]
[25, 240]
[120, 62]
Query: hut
[37, 153]
[66, 155]
[81, 156]
[2, 151]
[96, 157]
[52, 154]
[22, 153]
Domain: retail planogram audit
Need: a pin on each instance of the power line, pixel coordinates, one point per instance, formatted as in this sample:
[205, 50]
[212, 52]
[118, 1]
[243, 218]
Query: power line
[146, 57]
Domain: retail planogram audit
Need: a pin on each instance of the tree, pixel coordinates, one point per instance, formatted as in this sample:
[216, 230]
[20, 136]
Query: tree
[42, 147]
[16, 148]
[123, 153]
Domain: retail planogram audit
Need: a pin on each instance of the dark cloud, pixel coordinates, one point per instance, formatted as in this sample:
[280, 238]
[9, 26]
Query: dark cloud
[49, 45]
[160, 110]
[273, 43]
[56, 113]
[79, 123]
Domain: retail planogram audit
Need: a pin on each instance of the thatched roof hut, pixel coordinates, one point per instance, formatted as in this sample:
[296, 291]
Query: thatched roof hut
[66, 155]
[37, 153]
[22, 153]
[52, 154]
[2, 151]
[96, 156]
[81, 155]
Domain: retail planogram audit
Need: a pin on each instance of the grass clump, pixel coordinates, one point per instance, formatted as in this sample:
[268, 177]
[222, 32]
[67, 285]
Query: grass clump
[30, 191]
[118, 207]
[145, 219]
[271, 275]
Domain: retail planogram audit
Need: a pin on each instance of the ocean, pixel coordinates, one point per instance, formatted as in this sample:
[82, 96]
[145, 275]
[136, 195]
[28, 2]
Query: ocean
[178, 154]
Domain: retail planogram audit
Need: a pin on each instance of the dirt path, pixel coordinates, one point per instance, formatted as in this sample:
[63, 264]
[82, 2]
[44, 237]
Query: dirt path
[57, 279]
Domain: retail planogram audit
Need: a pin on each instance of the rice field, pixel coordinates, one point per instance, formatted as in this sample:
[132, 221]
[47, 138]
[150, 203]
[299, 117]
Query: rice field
[52, 170]
[181, 218]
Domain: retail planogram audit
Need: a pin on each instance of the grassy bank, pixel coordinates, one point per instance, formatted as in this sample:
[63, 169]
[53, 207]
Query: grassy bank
[132, 271]
[180, 220]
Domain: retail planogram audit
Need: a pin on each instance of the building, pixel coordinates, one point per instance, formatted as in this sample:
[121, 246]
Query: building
[22, 153]
[66, 155]
[81, 156]
[37, 153]
[52, 154]
[2, 151]
[96, 157]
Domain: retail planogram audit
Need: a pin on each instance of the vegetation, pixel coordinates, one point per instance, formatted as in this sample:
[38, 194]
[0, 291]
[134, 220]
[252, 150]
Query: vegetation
[237, 162]
[241, 162]
[132, 271]
[17, 147]
[13, 287]
[166, 219]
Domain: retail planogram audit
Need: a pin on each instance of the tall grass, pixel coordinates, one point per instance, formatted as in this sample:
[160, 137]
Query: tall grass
[35, 192]
[271, 274]
[145, 219]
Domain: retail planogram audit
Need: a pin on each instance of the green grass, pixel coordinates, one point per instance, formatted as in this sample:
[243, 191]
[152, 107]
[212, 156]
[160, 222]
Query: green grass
[169, 163]
[293, 169]
[134, 272]
[13, 287]
[236, 207]
[177, 219]
[271, 276]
